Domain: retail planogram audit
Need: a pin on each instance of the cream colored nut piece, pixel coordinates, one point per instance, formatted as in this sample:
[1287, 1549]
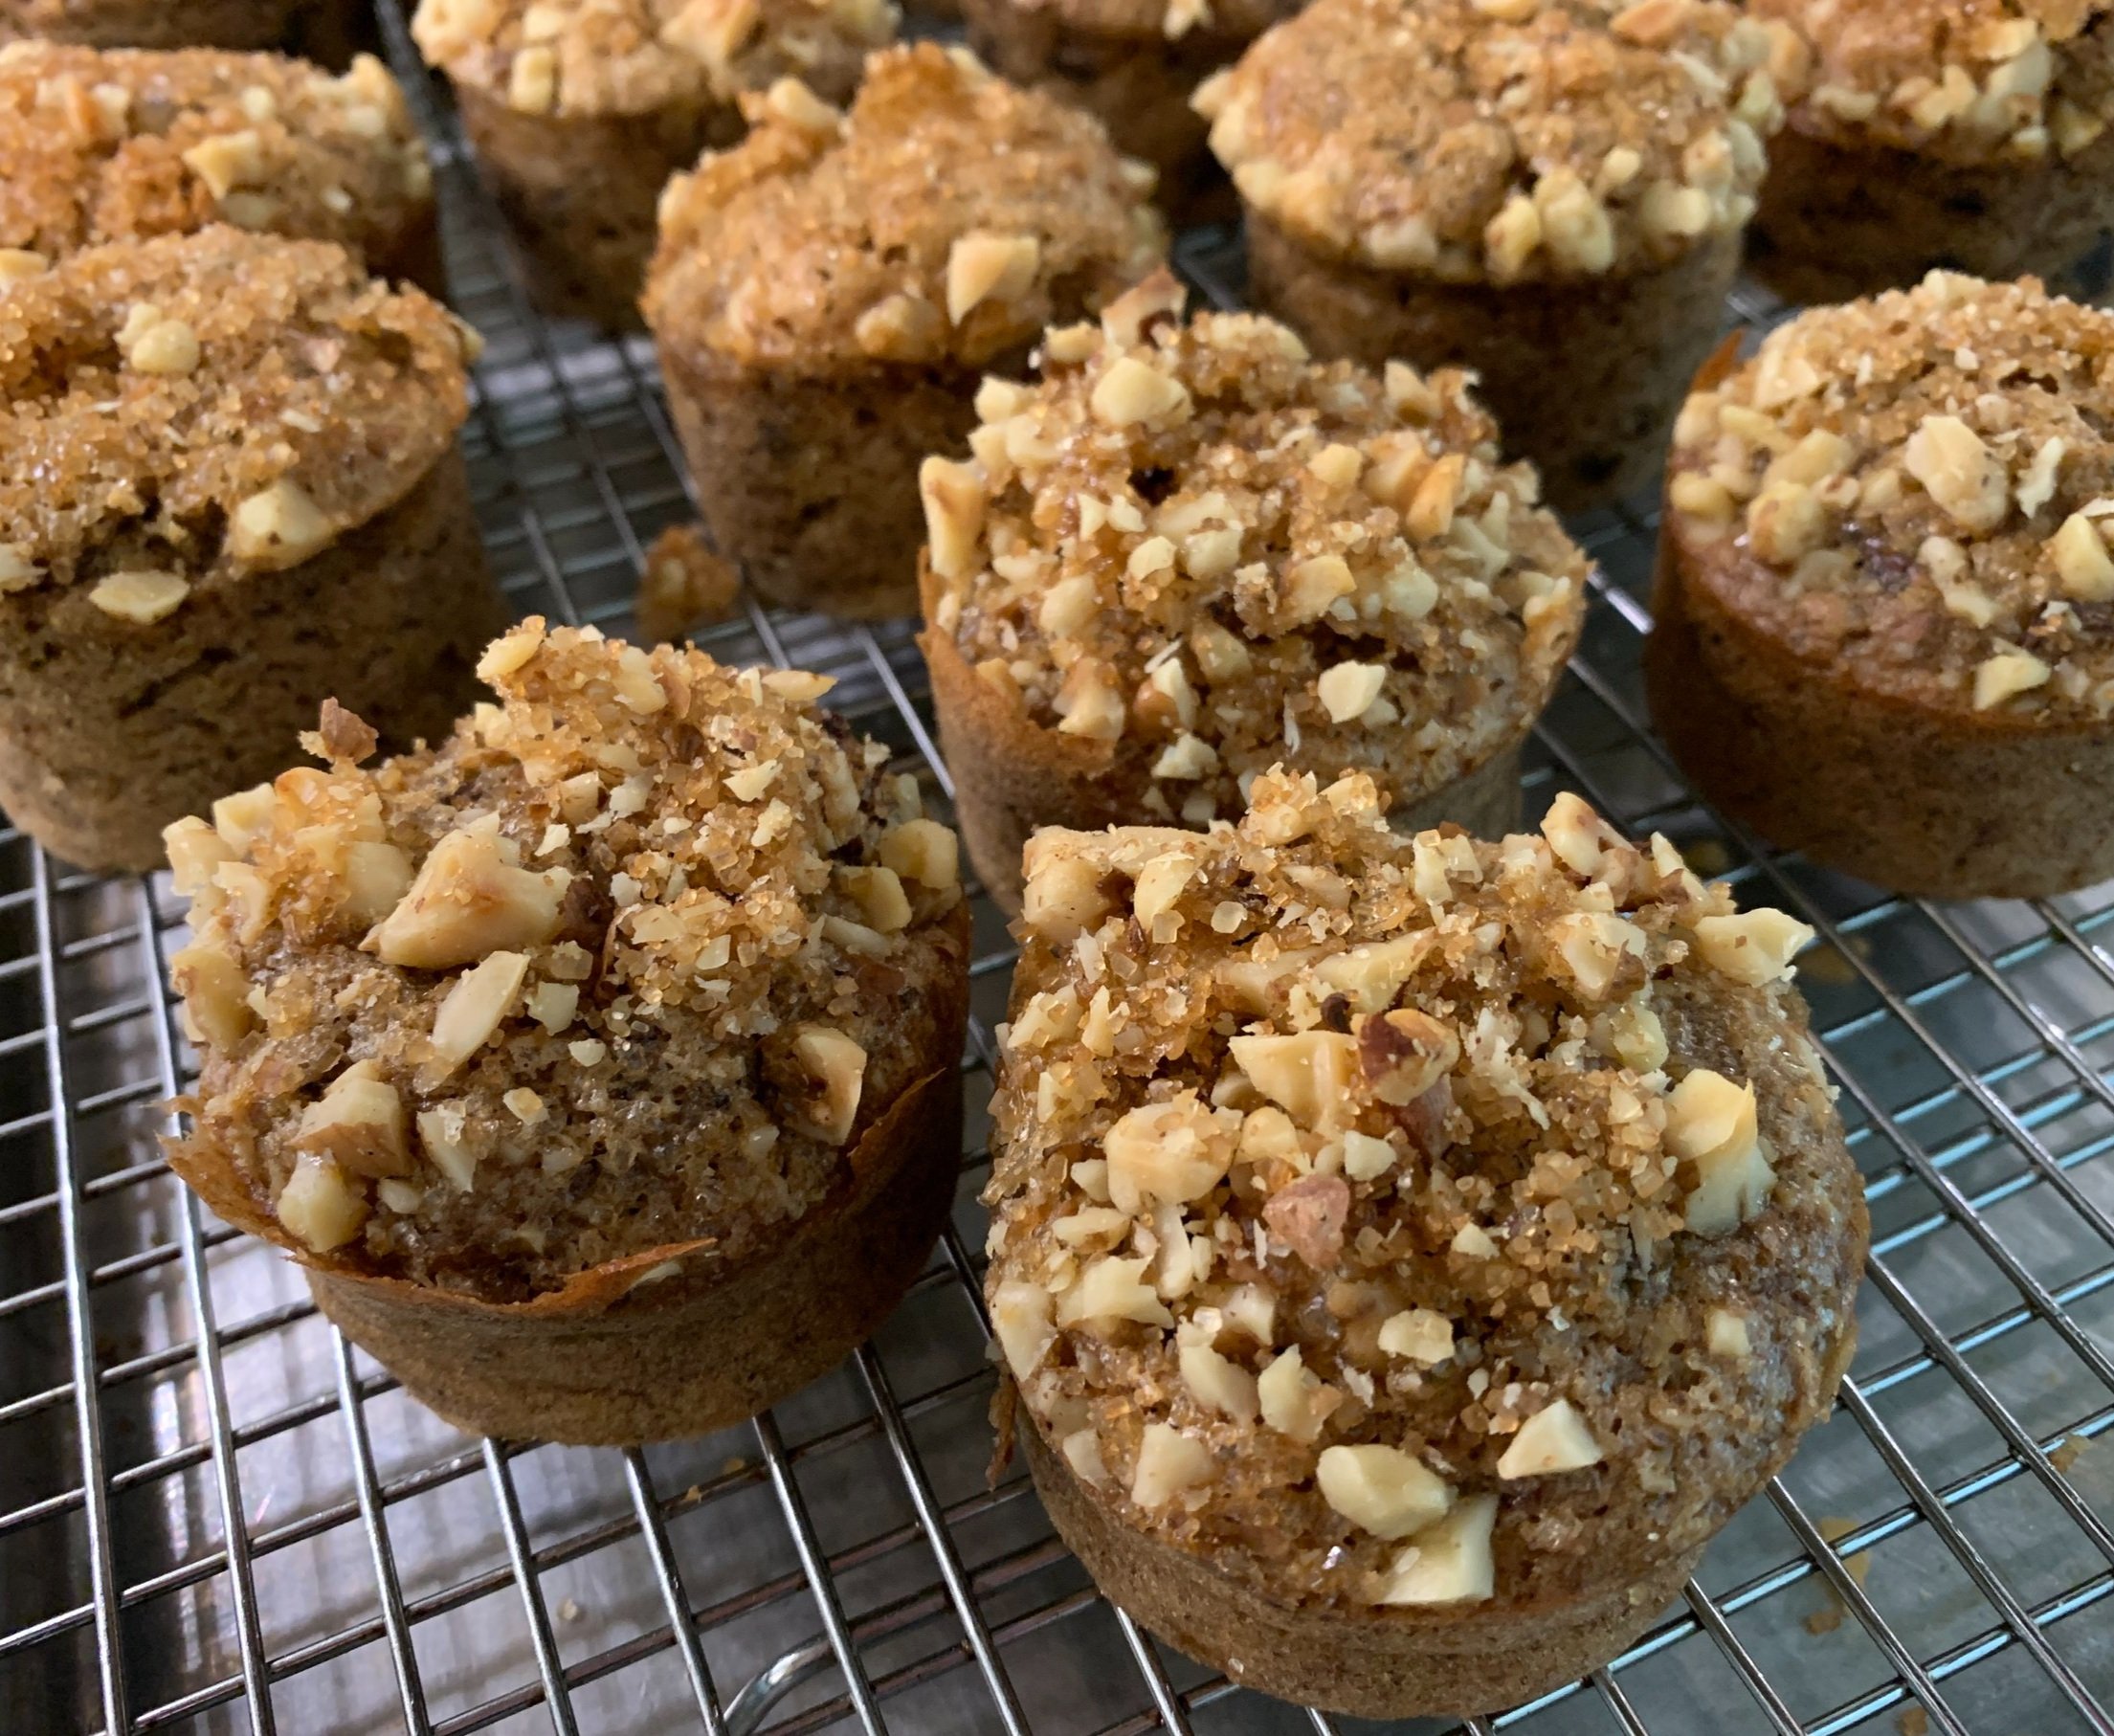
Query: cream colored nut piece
[836, 1066]
[1347, 690]
[278, 527]
[1218, 1382]
[320, 1205]
[1294, 1400]
[954, 499]
[195, 849]
[791, 101]
[1309, 1074]
[1960, 472]
[1133, 392]
[227, 161]
[19, 263]
[1175, 1151]
[1061, 898]
[1370, 976]
[1449, 1561]
[141, 599]
[1554, 1439]
[216, 994]
[2082, 560]
[2006, 676]
[441, 1131]
[1755, 946]
[475, 1005]
[1725, 1334]
[1089, 704]
[359, 1123]
[1403, 1053]
[1159, 885]
[923, 851]
[168, 347]
[1423, 1335]
[376, 875]
[1711, 1123]
[1020, 1317]
[532, 82]
[468, 901]
[1382, 1489]
[983, 267]
[1111, 1290]
[1168, 1462]
[878, 893]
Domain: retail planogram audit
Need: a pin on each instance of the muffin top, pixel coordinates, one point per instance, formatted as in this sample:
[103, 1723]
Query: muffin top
[635, 959]
[583, 57]
[1916, 492]
[826, 238]
[1195, 552]
[1357, 1194]
[187, 409]
[1967, 81]
[1505, 140]
[112, 145]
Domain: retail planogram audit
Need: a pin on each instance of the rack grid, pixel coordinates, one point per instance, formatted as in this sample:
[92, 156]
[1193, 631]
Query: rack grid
[215, 1515]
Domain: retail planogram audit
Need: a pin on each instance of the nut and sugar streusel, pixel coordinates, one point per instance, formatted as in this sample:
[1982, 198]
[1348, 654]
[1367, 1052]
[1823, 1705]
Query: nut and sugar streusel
[208, 444]
[1550, 192]
[826, 294]
[1907, 504]
[117, 144]
[626, 988]
[1935, 133]
[1191, 551]
[1410, 1230]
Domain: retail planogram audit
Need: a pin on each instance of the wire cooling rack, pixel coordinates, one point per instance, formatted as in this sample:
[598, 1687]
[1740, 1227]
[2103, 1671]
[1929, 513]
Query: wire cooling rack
[215, 1515]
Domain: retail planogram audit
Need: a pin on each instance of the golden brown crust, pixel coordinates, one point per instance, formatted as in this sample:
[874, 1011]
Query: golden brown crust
[207, 407]
[119, 144]
[1961, 82]
[580, 59]
[1350, 1187]
[228, 23]
[823, 245]
[1528, 140]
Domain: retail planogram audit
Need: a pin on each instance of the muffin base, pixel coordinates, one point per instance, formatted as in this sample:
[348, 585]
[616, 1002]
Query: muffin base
[618, 1358]
[1937, 803]
[810, 484]
[1137, 86]
[581, 194]
[1836, 222]
[233, 24]
[1584, 376]
[110, 730]
[1366, 1662]
[1012, 777]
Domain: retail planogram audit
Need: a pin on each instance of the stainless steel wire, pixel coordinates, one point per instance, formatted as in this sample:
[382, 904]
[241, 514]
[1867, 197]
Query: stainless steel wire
[217, 1515]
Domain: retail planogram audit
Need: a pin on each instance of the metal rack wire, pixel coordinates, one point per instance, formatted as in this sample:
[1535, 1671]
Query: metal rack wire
[216, 1515]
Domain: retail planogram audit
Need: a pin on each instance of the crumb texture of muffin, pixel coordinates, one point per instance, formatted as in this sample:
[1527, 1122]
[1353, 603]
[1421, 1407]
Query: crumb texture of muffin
[1407, 1250]
[1189, 552]
[581, 110]
[541, 1045]
[1886, 592]
[211, 445]
[1932, 133]
[120, 145]
[825, 296]
[1551, 193]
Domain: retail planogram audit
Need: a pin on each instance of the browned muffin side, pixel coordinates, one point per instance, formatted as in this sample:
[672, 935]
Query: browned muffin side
[229, 487]
[827, 295]
[1408, 1252]
[1134, 64]
[1190, 552]
[581, 110]
[114, 145]
[1885, 606]
[1933, 133]
[1550, 192]
[324, 30]
[600, 1063]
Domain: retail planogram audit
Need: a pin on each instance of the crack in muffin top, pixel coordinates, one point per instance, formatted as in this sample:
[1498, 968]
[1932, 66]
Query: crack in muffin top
[1967, 81]
[1196, 547]
[118, 143]
[633, 959]
[824, 238]
[204, 406]
[581, 58]
[1354, 1191]
[1504, 139]
[1919, 489]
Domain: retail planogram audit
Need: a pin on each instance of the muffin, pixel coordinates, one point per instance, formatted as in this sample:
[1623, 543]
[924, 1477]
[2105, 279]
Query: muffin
[1551, 193]
[826, 296]
[1407, 1253]
[321, 29]
[117, 144]
[600, 1065]
[1134, 64]
[229, 487]
[1935, 135]
[1884, 626]
[580, 110]
[1190, 552]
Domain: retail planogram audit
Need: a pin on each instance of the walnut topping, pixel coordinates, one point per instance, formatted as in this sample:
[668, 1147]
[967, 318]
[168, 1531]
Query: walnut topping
[953, 496]
[985, 267]
[1177, 1150]
[1382, 1489]
[1020, 1316]
[2007, 675]
[1727, 1334]
[1309, 1074]
[1450, 1562]
[1293, 1399]
[1711, 1123]
[358, 1124]
[1962, 474]
[1756, 947]
[141, 599]
[467, 901]
[1168, 1462]
[1420, 1334]
[320, 1205]
[228, 161]
[475, 1004]
[278, 527]
[1555, 1438]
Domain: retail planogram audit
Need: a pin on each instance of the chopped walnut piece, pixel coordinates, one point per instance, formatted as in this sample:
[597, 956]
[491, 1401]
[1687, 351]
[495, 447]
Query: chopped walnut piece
[141, 598]
[1308, 1074]
[1294, 1400]
[985, 267]
[1168, 1462]
[1727, 1334]
[1403, 1053]
[1308, 1218]
[1711, 1123]
[1020, 1316]
[1177, 1151]
[320, 1205]
[359, 1123]
[1382, 1489]
[1449, 1561]
[278, 527]
[1755, 946]
[1220, 1383]
[836, 1067]
[1420, 1334]
[467, 901]
[1555, 1438]
[475, 1004]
